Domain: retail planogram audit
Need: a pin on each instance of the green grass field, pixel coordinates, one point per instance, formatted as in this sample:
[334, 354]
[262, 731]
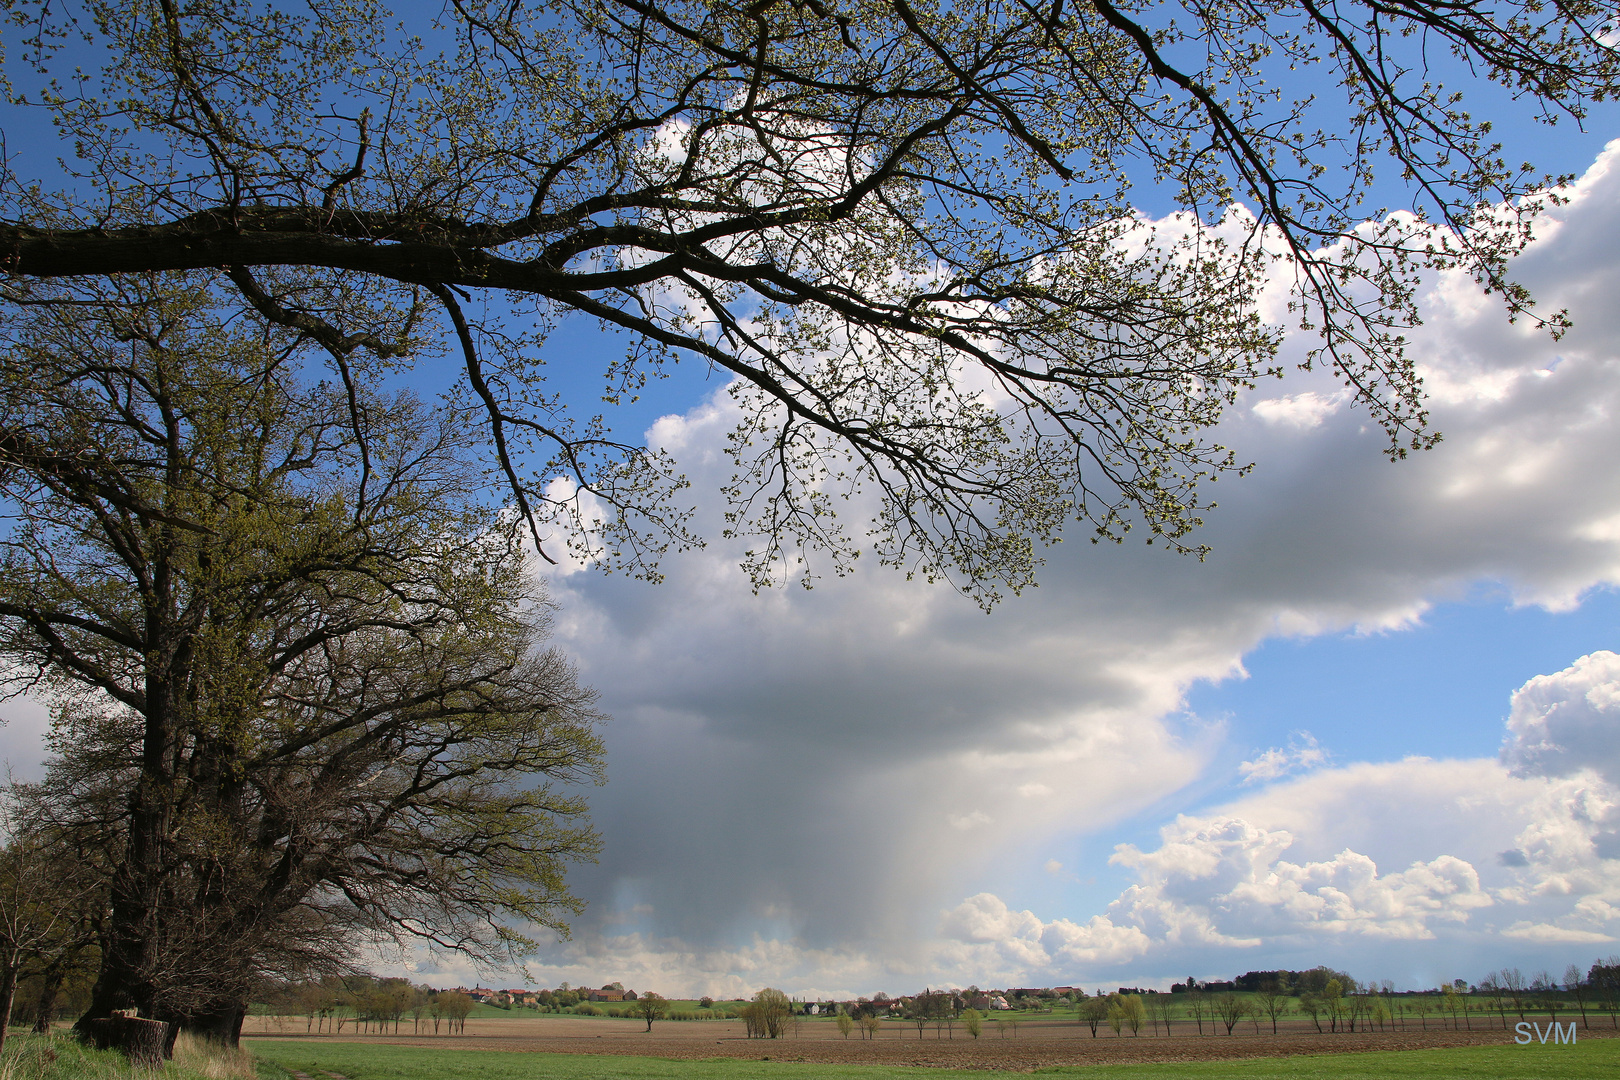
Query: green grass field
[1591, 1060]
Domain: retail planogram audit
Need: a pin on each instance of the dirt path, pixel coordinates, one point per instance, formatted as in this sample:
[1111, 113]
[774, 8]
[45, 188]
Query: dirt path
[1037, 1044]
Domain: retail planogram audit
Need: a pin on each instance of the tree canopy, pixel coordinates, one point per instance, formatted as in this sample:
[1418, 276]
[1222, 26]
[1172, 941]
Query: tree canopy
[300, 694]
[904, 228]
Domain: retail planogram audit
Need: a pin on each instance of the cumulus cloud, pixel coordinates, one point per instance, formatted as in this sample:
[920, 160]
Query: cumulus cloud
[1567, 722]
[1288, 873]
[1021, 941]
[1224, 880]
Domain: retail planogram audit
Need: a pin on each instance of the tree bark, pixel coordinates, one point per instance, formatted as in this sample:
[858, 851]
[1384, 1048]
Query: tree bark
[221, 1023]
[129, 947]
[145, 1042]
[49, 987]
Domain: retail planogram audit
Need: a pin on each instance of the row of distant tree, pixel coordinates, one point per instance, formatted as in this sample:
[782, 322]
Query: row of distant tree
[1332, 1000]
[1600, 982]
[367, 1004]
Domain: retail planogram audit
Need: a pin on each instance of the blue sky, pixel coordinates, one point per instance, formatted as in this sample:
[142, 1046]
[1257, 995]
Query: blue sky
[1439, 688]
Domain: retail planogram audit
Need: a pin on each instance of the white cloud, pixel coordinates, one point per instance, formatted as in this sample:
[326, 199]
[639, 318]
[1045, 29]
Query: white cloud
[1300, 411]
[1303, 752]
[1223, 879]
[1567, 722]
[1021, 941]
[1541, 933]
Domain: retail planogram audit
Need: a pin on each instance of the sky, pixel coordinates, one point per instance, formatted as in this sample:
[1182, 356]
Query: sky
[1377, 728]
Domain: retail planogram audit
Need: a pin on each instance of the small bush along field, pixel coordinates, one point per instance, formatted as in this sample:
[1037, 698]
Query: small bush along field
[1591, 1060]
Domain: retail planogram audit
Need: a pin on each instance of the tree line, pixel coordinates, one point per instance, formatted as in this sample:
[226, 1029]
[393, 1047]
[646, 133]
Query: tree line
[1334, 1001]
[370, 1004]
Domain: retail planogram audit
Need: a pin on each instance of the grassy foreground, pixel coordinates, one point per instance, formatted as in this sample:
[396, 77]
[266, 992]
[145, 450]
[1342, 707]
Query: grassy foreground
[1593, 1060]
[58, 1056]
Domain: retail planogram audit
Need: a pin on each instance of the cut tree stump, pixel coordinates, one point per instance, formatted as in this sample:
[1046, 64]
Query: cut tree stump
[144, 1042]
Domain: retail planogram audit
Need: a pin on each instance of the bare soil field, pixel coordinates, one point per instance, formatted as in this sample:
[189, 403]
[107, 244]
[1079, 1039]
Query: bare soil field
[1037, 1043]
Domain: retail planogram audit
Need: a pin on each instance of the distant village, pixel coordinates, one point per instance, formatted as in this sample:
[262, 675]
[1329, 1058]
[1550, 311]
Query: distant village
[566, 996]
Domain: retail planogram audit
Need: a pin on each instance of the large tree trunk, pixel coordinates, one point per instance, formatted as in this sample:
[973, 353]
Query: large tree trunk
[49, 986]
[221, 1023]
[124, 981]
[129, 945]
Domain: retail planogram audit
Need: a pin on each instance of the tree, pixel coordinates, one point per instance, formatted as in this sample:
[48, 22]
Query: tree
[1604, 979]
[61, 934]
[1159, 1008]
[861, 210]
[1453, 1002]
[919, 1013]
[1115, 1013]
[1333, 1000]
[1578, 988]
[972, 1022]
[932, 1006]
[1197, 1005]
[1513, 984]
[1093, 1011]
[285, 645]
[845, 1024]
[871, 1024]
[1131, 1008]
[1310, 1003]
[768, 1014]
[1545, 986]
[650, 1007]
[1272, 1001]
[456, 1007]
[1492, 985]
[1230, 1008]
[39, 890]
[419, 1000]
